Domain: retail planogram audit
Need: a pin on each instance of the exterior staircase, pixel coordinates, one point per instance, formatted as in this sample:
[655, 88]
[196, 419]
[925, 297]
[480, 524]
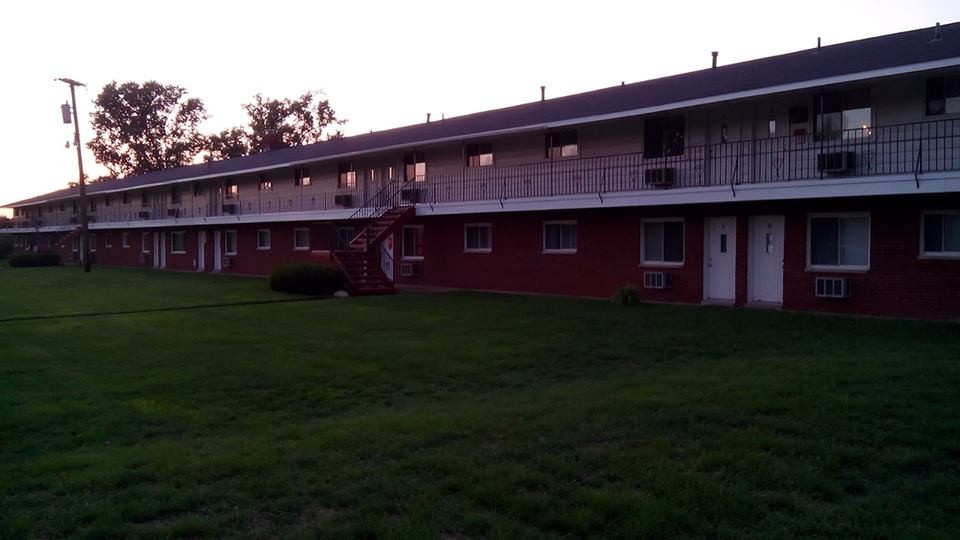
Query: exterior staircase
[69, 237]
[361, 260]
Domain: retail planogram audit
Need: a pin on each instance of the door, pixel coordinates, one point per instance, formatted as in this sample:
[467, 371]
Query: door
[201, 251]
[766, 259]
[156, 250]
[217, 252]
[720, 276]
[163, 249]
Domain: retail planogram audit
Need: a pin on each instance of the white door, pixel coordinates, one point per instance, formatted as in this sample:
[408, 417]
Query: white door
[217, 253]
[156, 250]
[720, 254]
[201, 251]
[163, 249]
[766, 259]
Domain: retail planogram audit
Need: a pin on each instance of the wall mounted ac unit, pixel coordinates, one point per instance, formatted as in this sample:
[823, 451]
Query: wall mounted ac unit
[144, 214]
[409, 269]
[226, 262]
[837, 162]
[656, 280]
[230, 209]
[343, 200]
[661, 178]
[833, 287]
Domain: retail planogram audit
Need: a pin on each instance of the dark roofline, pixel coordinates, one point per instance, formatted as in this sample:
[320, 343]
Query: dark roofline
[866, 58]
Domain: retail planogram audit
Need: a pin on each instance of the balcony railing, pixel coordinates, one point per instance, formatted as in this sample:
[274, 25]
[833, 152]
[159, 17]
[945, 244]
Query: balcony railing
[913, 148]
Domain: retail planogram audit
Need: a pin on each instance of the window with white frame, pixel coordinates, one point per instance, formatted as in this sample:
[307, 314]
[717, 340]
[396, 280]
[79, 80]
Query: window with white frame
[562, 144]
[76, 243]
[412, 242]
[301, 239]
[415, 166]
[839, 241]
[178, 242]
[479, 155]
[230, 243]
[346, 176]
[108, 240]
[477, 237]
[264, 183]
[263, 239]
[560, 237]
[301, 176]
[125, 239]
[93, 242]
[145, 242]
[941, 234]
[661, 241]
[943, 95]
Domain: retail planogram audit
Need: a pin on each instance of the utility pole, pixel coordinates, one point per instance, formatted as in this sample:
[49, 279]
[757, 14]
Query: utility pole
[84, 220]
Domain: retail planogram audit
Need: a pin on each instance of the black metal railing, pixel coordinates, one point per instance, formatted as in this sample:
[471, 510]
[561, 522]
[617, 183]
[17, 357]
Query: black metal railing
[910, 148]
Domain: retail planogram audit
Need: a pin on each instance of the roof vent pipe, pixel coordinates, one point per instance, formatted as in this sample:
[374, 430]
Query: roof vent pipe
[543, 93]
[936, 33]
[714, 53]
[428, 118]
[818, 43]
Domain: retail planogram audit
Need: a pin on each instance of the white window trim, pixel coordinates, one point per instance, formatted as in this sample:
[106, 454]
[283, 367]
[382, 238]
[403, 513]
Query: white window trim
[145, 246]
[108, 240]
[543, 238]
[301, 248]
[125, 240]
[184, 251]
[477, 250]
[403, 243]
[855, 268]
[935, 254]
[93, 243]
[683, 243]
[236, 241]
[269, 240]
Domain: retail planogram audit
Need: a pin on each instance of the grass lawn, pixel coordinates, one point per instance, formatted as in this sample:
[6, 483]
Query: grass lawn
[463, 416]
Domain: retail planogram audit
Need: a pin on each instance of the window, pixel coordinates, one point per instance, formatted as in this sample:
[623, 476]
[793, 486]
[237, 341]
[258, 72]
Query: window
[477, 237]
[145, 242]
[560, 237]
[263, 239]
[479, 155]
[415, 166]
[301, 239]
[413, 242]
[664, 137]
[144, 199]
[108, 240]
[93, 242]
[231, 190]
[662, 241]
[562, 144]
[125, 239]
[230, 242]
[178, 242]
[301, 176]
[264, 184]
[76, 243]
[842, 114]
[943, 95]
[346, 176]
[839, 241]
[175, 196]
[344, 236]
[941, 234]
[197, 189]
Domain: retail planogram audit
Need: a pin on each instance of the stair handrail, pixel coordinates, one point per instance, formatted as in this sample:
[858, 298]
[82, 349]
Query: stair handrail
[378, 203]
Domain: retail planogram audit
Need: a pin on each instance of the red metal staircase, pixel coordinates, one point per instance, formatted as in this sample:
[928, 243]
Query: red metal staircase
[68, 237]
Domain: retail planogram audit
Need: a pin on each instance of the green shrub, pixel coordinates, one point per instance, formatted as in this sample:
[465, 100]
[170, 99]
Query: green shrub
[31, 259]
[6, 246]
[315, 279]
[627, 296]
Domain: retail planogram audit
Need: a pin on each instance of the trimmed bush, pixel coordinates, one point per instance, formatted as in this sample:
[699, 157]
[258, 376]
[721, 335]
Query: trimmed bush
[627, 296]
[31, 259]
[314, 279]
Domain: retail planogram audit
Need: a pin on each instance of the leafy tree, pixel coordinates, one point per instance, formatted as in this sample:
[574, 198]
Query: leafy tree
[278, 123]
[146, 127]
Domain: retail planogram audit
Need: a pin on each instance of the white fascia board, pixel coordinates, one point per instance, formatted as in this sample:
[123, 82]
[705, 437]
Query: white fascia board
[732, 96]
[779, 191]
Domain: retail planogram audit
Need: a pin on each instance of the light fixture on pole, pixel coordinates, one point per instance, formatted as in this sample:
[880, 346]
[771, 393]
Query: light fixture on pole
[84, 222]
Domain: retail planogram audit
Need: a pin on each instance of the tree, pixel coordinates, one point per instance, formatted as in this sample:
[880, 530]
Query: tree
[142, 128]
[278, 123]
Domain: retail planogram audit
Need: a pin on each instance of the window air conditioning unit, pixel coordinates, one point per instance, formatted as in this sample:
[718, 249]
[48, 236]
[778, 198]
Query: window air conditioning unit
[343, 200]
[144, 214]
[833, 287]
[230, 209]
[409, 270]
[173, 212]
[656, 280]
[226, 262]
[411, 195]
[837, 162]
[660, 178]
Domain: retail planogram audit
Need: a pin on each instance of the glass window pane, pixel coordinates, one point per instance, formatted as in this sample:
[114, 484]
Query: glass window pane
[854, 241]
[933, 233]
[823, 241]
[673, 241]
[653, 242]
[569, 240]
[951, 232]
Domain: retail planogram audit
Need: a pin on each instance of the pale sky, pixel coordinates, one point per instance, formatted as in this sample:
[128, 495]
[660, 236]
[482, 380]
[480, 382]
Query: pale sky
[381, 64]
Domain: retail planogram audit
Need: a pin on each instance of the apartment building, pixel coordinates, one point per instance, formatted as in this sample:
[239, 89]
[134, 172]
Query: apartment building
[826, 179]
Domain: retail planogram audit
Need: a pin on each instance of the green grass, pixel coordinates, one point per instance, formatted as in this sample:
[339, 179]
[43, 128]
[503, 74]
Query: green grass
[464, 416]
